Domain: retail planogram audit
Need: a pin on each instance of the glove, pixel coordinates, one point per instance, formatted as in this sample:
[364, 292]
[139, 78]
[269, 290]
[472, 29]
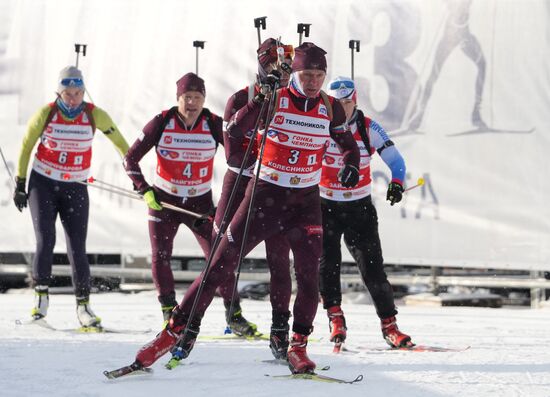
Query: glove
[273, 79]
[20, 195]
[348, 175]
[395, 193]
[151, 200]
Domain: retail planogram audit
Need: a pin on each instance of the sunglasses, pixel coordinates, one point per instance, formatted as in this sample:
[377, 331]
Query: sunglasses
[72, 82]
[336, 85]
[273, 52]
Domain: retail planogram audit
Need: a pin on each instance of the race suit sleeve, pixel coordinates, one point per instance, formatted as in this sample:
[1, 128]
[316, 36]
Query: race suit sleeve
[341, 134]
[147, 140]
[35, 127]
[387, 151]
[105, 124]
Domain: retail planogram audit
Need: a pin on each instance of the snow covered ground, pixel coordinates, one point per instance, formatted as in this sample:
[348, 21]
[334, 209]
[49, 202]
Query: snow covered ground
[509, 354]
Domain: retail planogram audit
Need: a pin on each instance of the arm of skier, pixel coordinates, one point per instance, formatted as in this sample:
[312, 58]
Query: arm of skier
[105, 124]
[244, 118]
[341, 134]
[388, 152]
[35, 127]
[147, 140]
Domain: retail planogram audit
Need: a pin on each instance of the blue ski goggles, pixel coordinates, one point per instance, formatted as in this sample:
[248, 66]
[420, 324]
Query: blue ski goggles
[72, 82]
[339, 84]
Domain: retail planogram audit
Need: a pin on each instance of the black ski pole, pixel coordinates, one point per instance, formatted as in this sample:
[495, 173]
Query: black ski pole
[303, 28]
[77, 48]
[197, 44]
[354, 45]
[260, 24]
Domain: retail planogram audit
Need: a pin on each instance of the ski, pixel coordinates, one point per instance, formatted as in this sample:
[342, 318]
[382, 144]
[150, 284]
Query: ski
[81, 330]
[413, 348]
[132, 369]
[318, 378]
[257, 336]
[278, 361]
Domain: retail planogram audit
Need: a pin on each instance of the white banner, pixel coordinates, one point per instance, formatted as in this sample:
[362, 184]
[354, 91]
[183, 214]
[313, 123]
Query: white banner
[462, 87]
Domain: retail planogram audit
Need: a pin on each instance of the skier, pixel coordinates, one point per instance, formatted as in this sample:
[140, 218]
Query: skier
[66, 129]
[287, 200]
[350, 212]
[277, 247]
[185, 138]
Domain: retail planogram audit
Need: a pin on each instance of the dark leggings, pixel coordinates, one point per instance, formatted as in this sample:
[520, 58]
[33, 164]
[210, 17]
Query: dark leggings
[277, 247]
[163, 226]
[47, 198]
[358, 222]
[295, 213]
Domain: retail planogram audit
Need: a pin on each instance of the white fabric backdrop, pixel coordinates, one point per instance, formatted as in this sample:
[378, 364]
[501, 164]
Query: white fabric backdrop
[484, 203]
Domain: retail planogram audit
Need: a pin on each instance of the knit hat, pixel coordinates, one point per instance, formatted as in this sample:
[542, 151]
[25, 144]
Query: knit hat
[70, 76]
[190, 82]
[342, 88]
[267, 53]
[309, 56]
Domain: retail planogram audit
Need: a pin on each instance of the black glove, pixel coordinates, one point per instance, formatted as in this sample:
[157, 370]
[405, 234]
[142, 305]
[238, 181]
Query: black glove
[20, 195]
[273, 79]
[348, 175]
[395, 193]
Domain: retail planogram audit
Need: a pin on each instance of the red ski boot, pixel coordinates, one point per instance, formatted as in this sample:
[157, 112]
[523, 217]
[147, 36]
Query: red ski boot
[164, 341]
[392, 335]
[337, 326]
[298, 361]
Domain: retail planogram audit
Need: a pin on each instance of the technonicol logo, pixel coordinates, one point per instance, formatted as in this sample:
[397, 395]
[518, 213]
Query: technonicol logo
[279, 119]
[168, 139]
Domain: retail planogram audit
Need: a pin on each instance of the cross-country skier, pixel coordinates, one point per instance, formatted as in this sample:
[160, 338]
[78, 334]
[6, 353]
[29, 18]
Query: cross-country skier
[350, 212]
[65, 129]
[287, 200]
[185, 139]
[277, 247]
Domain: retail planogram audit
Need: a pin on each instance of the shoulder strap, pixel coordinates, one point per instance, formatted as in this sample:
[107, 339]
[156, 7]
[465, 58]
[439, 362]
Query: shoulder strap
[362, 128]
[327, 103]
[169, 114]
[251, 89]
[275, 104]
[53, 111]
[88, 110]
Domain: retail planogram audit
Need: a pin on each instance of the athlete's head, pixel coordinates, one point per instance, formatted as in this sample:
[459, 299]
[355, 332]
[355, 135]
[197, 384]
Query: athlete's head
[191, 94]
[271, 55]
[71, 87]
[343, 88]
[309, 69]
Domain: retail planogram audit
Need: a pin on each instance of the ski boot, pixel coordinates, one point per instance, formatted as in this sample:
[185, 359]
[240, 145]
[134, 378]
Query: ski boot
[337, 327]
[278, 338]
[298, 361]
[166, 340]
[86, 317]
[41, 302]
[237, 323]
[392, 335]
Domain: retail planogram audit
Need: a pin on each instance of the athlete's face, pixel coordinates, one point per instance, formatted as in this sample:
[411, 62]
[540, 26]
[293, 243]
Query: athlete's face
[190, 105]
[312, 81]
[349, 106]
[72, 97]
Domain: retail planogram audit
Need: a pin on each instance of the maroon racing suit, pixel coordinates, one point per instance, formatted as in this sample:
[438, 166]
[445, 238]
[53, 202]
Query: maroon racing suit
[164, 224]
[293, 211]
[277, 247]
